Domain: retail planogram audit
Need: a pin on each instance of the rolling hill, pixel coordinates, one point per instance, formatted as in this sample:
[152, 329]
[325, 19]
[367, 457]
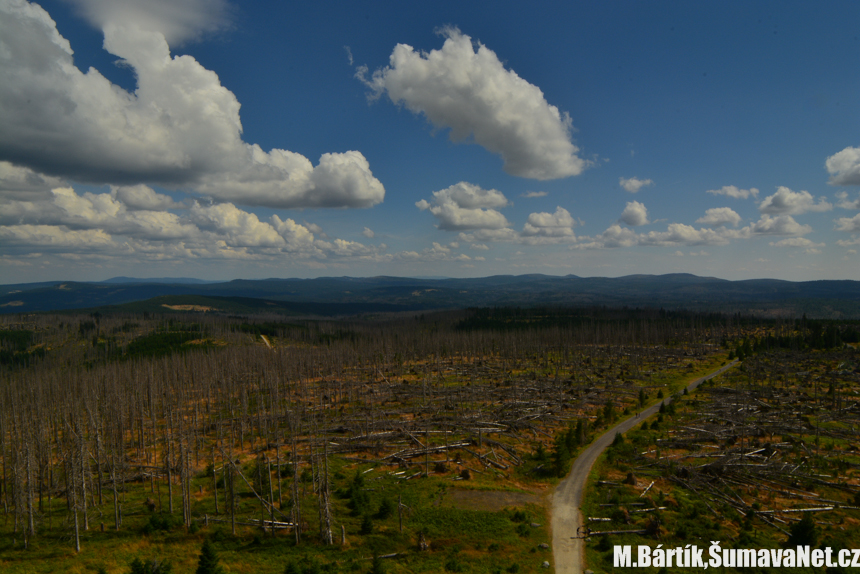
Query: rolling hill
[327, 296]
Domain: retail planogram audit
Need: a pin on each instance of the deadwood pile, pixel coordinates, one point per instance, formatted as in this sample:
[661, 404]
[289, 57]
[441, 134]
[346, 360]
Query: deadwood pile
[777, 439]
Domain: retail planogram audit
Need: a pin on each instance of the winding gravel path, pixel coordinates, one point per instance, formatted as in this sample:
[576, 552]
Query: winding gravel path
[568, 552]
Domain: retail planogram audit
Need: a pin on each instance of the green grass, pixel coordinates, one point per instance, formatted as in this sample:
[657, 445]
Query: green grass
[473, 524]
[464, 535]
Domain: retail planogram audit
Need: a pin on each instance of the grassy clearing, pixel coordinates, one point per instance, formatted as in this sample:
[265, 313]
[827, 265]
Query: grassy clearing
[460, 540]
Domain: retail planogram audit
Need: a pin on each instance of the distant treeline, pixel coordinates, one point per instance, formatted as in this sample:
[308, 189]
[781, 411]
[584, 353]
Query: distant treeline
[13, 348]
[517, 318]
[112, 337]
[158, 344]
[268, 328]
[806, 334]
[163, 338]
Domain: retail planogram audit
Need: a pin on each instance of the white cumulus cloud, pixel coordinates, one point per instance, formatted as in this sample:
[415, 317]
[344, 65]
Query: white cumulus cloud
[717, 216]
[285, 179]
[682, 234]
[436, 253]
[675, 234]
[848, 223]
[86, 225]
[240, 228]
[544, 228]
[844, 167]
[780, 225]
[465, 87]
[796, 242]
[614, 236]
[298, 237]
[735, 192]
[350, 249]
[489, 235]
[96, 211]
[143, 197]
[634, 184]
[788, 202]
[21, 183]
[180, 127]
[846, 203]
[467, 206]
[634, 214]
[177, 20]
[55, 237]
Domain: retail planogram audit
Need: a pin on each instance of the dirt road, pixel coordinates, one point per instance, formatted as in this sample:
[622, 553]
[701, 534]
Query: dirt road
[568, 552]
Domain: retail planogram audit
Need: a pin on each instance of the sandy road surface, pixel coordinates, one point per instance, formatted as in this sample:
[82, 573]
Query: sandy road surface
[568, 552]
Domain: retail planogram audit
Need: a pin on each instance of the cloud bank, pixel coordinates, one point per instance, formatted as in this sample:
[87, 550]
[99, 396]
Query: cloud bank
[716, 231]
[799, 243]
[133, 224]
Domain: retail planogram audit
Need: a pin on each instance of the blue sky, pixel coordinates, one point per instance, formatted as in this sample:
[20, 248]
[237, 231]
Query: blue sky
[222, 140]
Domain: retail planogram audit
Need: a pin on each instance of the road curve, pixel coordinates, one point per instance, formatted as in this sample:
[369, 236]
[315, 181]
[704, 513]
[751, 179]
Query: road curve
[568, 552]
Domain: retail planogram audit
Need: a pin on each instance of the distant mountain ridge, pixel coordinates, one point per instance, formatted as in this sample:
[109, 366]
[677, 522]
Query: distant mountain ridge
[170, 280]
[774, 297]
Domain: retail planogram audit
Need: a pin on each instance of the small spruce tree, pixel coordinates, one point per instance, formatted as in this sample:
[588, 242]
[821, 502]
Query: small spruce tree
[803, 533]
[366, 525]
[377, 567]
[208, 563]
[609, 411]
[386, 509]
[561, 457]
